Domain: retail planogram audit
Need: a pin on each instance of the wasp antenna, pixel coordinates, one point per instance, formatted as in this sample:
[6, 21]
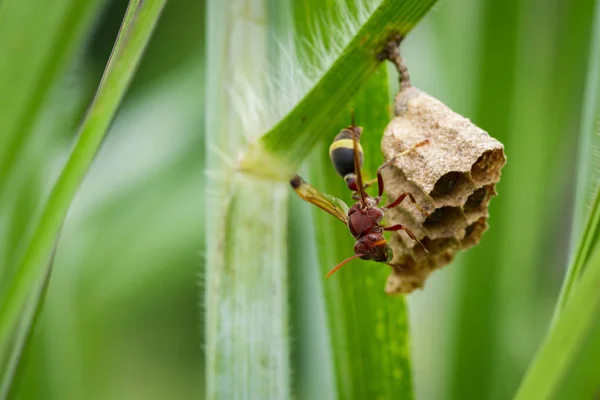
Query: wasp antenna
[352, 120]
[334, 269]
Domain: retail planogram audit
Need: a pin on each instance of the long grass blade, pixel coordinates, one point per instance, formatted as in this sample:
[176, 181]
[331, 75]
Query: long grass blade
[368, 329]
[25, 331]
[589, 131]
[586, 245]
[569, 355]
[566, 362]
[502, 311]
[139, 21]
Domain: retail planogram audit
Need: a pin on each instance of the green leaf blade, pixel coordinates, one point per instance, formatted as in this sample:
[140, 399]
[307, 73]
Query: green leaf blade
[138, 25]
[588, 141]
[312, 117]
[368, 329]
[568, 357]
[566, 363]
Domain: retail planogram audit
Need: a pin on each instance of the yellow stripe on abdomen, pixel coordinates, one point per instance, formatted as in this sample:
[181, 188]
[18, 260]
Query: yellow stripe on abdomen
[344, 144]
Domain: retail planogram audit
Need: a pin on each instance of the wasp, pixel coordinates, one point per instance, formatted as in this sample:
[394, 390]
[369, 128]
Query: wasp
[364, 218]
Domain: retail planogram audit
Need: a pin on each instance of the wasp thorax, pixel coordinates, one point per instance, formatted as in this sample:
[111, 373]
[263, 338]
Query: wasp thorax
[362, 220]
[452, 178]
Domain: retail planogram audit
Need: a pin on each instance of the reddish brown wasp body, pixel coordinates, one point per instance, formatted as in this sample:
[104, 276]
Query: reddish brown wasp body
[363, 218]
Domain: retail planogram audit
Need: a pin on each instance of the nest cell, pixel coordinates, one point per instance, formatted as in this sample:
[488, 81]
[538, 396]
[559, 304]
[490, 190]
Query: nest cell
[486, 169]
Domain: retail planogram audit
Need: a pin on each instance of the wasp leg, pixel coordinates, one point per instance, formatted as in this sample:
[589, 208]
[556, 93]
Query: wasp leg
[380, 183]
[399, 227]
[380, 177]
[400, 199]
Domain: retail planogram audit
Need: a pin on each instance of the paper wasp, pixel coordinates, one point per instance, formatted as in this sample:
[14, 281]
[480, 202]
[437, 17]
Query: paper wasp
[363, 218]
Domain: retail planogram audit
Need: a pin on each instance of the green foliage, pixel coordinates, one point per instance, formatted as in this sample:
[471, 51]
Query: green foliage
[234, 278]
[29, 275]
[507, 280]
[361, 319]
[292, 139]
[566, 362]
[120, 318]
[361, 316]
[585, 178]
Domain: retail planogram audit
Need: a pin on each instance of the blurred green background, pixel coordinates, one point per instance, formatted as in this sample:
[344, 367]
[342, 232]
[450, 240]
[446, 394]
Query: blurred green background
[123, 316]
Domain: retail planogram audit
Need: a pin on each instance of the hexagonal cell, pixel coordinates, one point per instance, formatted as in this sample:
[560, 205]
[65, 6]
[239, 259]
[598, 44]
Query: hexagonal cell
[473, 233]
[479, 199]
[476, 200]
[446, 222]
[477, 203]
[397, 183]
[436, 246]
[487, 167]
[451, 189]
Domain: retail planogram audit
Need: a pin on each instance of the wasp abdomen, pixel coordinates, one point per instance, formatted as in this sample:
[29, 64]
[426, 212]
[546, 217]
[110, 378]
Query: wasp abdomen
[341, 151]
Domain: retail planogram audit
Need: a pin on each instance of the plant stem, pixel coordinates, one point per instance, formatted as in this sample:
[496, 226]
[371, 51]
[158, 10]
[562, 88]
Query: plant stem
[246, 293]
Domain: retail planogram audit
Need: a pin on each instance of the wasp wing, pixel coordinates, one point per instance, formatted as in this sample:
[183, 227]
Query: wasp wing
[333, 206]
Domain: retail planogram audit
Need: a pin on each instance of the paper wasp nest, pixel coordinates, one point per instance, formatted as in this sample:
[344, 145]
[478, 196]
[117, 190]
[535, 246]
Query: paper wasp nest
[453, 178]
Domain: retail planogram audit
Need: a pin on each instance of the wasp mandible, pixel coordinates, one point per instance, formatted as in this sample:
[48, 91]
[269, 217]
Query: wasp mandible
[364, 217]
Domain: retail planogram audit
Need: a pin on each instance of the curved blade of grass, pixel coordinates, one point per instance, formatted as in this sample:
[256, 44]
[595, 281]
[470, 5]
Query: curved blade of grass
[292, 139]
[135, 32]
[368, 329]
[566, 364]
[37, 40]
[25, 330]
[589, 131]
[587, 242]
[569, 355]
[507, 277]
